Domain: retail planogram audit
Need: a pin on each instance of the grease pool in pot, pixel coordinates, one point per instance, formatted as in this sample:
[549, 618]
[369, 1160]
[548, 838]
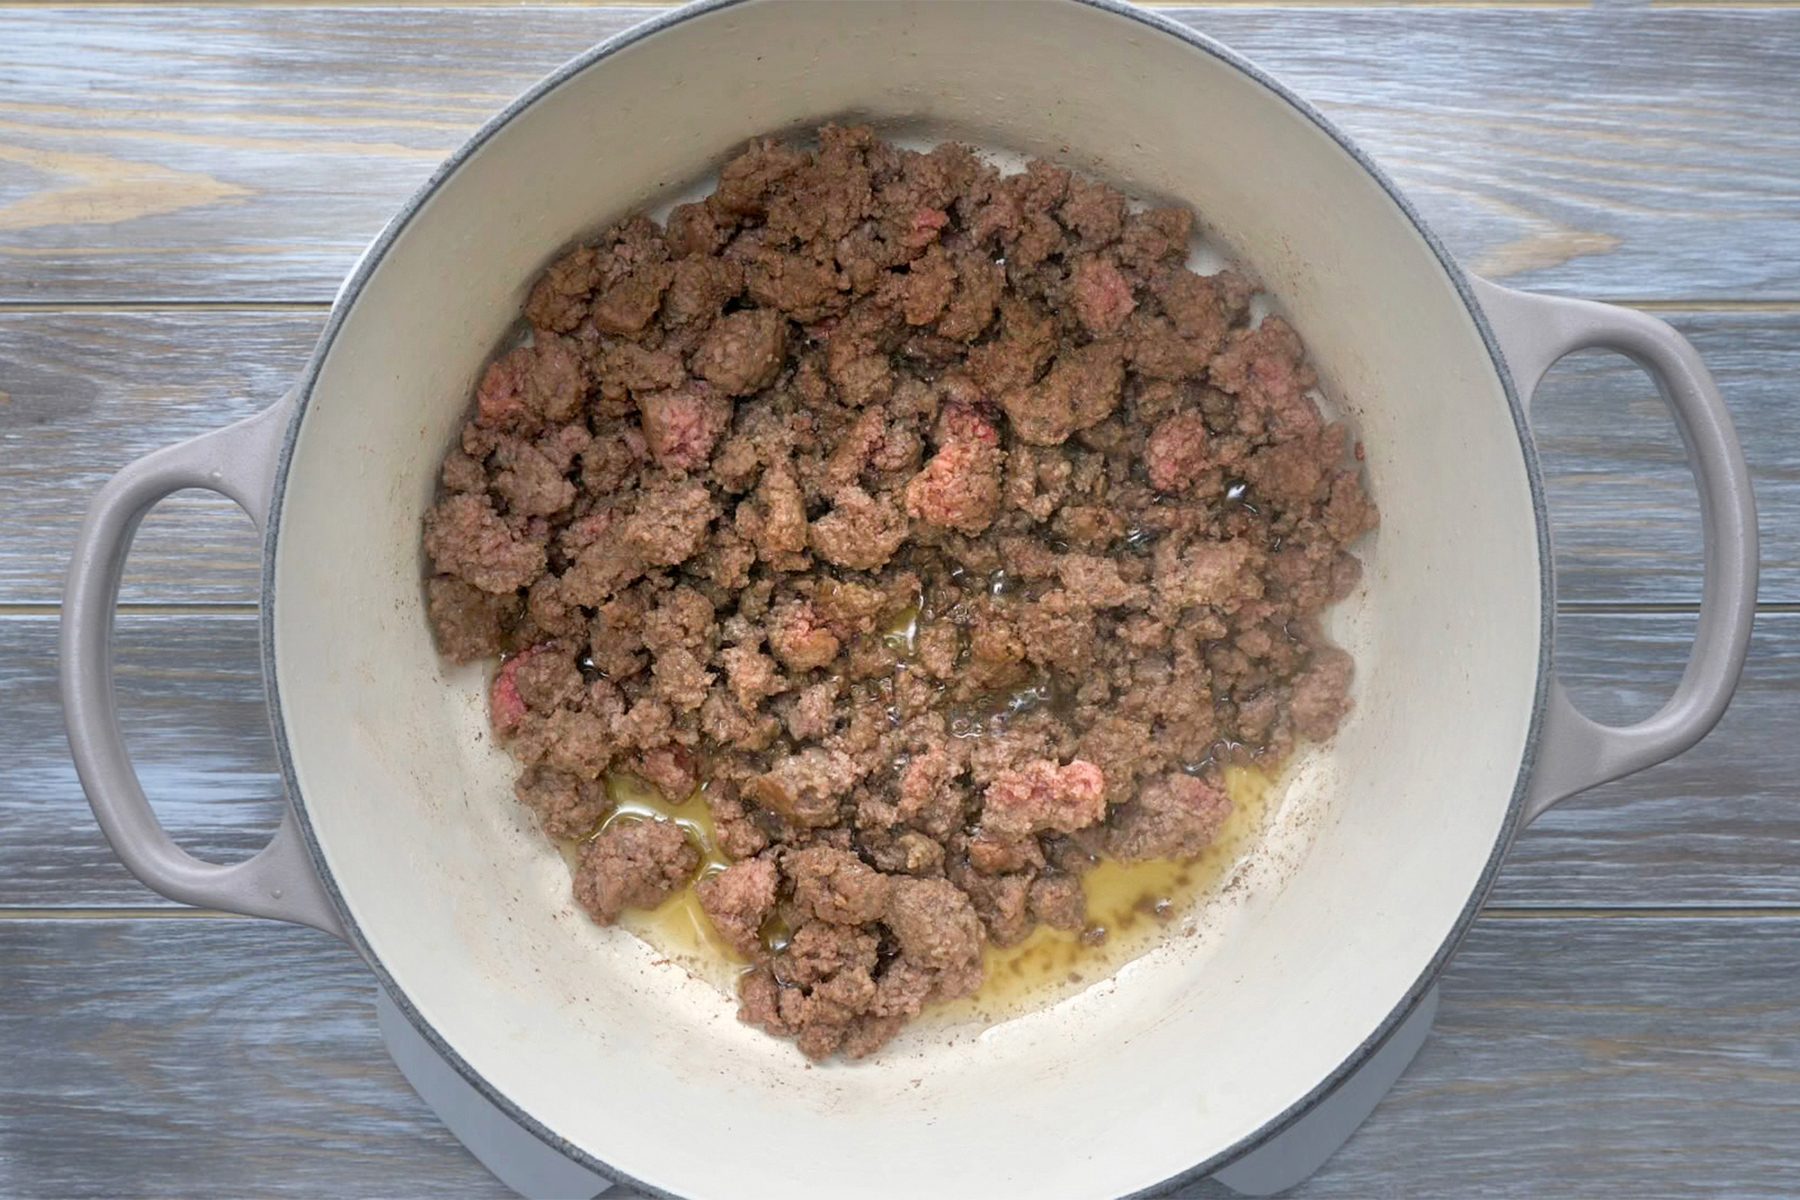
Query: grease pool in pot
[911, 578]
[1131, 907]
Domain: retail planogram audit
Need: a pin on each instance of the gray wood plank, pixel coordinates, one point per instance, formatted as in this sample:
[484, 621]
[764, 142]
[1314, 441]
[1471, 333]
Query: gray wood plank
[190, 694]
[87, 394]
[1630, 1058]
[250, 153]
[1716, 827]
[91, 391]
[1639, 1058]
[205, 1058]
[1624, 515]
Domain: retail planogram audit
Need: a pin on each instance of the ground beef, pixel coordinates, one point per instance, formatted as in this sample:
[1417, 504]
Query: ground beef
[1041, 797]
[1175, 816]
[1056, 900]
[824, 993]
[861, 532]
[1101, 294]
[836, 886]
[1265, 369]
[629, 303]
[1209, 574]
[739, 835]
[754, 675]
[577, 741]
[814, 712]
[776, 523]
[699, 287]
[671, 523]
[470, 624]
[739, 899]
[670, 769]
[1155, 236]
[959, 488]
[633, 865]
[529, 386]
[798, 638]
[531, 476]
[934, 923]
[1175, 456]
[506, 708]
[936, 530]
[682, 425]
[566, 805]
[805, 788]
[466, 538]
[1001, 902]
[1322, 694]
[559, 301]
[742, 353]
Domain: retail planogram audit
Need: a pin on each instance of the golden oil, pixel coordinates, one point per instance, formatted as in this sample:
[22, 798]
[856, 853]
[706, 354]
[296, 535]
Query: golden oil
[1131, 906]
[678, 928]
[1136, 904]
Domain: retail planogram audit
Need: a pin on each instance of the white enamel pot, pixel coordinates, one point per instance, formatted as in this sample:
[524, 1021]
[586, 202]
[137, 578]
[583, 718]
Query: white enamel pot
[401, 837]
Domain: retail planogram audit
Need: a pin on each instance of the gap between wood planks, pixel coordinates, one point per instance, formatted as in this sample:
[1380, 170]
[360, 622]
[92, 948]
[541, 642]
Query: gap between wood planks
[249, 608]
[657, 7]
[198, 608]
[1509, 912]
[1166, 5]
[1153, 5]
[102, 307]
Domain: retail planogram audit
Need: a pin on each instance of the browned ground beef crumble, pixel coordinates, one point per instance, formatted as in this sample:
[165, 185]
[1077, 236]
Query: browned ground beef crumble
[940, 521]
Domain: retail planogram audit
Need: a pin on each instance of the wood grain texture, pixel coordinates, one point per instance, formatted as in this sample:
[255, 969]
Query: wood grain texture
[1636, 1058]
[1639, 1058]
[250, 153]
[1717, 827]
[206, 1058]
[91, 391]
[191, 703]
[197, 159]
[1624, 513]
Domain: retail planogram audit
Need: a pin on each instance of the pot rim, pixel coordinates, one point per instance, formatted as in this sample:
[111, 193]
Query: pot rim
[370, 260]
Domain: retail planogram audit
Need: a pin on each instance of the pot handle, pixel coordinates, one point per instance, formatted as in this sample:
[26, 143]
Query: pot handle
[238, 462]
[1576, 752]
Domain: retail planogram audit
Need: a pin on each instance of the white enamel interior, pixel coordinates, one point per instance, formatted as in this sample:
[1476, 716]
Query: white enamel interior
[1190, 1051]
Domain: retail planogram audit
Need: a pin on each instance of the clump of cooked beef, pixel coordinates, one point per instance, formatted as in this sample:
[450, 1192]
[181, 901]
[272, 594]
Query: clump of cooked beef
[941, 522]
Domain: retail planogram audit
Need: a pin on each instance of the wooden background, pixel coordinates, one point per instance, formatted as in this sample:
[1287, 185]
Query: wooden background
[182, 188]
